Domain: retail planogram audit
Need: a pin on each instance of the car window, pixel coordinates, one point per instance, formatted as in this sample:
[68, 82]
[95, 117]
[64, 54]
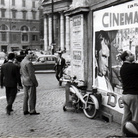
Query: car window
[47, 59]
[41, 59]
[50, 58]
[2, 58]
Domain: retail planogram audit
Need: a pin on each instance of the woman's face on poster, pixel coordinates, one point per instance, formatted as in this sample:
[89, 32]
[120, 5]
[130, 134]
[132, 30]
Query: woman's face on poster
[103, 58]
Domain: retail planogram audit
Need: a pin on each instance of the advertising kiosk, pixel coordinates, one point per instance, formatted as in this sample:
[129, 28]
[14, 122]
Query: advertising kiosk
[98, 35]
[115, 29]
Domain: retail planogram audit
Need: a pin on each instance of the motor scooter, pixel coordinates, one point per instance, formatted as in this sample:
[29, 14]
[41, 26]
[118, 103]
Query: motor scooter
[79, 98]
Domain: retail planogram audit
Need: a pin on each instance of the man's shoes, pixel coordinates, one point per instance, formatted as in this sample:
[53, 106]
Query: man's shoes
[11, 110]
[35, 113]
[8, 112]
[26, 113]
[60, 83]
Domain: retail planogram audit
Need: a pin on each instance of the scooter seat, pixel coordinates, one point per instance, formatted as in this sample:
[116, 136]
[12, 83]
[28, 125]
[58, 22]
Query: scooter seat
[82, 87]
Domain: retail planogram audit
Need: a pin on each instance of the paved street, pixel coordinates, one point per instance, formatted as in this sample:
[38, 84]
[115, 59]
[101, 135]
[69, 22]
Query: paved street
[52, 122]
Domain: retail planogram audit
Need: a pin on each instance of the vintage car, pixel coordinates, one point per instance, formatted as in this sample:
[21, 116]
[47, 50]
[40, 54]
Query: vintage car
[45, 62]
[2, 58]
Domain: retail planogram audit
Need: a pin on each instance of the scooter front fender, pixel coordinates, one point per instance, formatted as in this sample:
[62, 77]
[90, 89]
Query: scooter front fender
[95, 100]
[72, 90]
[75, 91]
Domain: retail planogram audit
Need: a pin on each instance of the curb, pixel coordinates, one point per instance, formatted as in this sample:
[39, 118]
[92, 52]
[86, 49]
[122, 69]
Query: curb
[44, 71]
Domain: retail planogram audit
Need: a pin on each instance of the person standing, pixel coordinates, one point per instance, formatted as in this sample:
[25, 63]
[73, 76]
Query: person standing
[30, 83]
[129, 77]
[10, 78]
[59, 66]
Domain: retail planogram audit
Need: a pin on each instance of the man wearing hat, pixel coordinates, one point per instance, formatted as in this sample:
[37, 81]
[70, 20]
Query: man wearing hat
[59, 66]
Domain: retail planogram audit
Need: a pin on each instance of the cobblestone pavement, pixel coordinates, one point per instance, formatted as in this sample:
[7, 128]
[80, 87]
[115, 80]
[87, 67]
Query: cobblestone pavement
[52, 122]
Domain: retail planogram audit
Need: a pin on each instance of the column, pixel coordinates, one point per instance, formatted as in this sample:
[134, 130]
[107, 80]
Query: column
[45, 33]
[62, 31]
[50, 29]
[67, 34]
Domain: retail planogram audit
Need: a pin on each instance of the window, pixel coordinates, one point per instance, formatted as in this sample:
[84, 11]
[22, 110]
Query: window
[34, 38]
[14, 14]
[34, 15]
[24, 14]
[13, 27]
[34, 28]
[3, 36]
[13, 2]
[3, 12]
[24, 37]
[23, 3]
[33, 4]
[2, 2]
[14, 37]
[3, 27]
[24, 28]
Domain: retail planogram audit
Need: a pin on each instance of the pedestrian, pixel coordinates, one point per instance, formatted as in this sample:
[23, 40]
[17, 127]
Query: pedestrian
[30, 83]
[10, 78]
[129, 77]
[17, 63]
[59, 66]
[52, 49]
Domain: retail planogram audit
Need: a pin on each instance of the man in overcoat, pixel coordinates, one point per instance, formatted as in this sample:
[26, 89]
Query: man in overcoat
[10, 78]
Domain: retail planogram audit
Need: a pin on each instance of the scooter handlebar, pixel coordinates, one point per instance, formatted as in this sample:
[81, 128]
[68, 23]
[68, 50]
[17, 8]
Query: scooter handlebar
[74, 79]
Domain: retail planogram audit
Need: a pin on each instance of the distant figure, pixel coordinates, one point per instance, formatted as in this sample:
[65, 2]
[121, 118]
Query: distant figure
[10, 78]
[52, 49]
[30, 83]
[17, 63]
[59, 66]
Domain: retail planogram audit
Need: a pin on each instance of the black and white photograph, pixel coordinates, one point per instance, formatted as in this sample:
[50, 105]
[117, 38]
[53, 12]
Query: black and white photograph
[68, 68]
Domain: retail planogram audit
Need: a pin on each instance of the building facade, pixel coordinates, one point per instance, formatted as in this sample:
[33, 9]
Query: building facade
[19, 25]
[56, 25]
[94, 33]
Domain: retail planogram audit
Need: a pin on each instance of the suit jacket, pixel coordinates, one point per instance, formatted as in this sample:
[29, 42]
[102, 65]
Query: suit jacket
[28, 73]
[10, 75]
[62, 62]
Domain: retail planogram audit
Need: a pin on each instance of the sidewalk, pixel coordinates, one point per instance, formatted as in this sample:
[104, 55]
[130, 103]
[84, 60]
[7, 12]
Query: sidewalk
[52, 122]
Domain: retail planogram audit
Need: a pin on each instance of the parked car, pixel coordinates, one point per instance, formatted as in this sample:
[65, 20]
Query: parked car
[45, 62]
[2, 58]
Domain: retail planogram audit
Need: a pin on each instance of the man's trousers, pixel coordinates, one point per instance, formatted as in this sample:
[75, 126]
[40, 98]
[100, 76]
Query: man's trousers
[29, 99]
[11, 93]
[130, 108]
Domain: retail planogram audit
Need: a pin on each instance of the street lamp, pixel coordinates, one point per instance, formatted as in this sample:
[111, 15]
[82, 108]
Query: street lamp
[52, 22]
[52, 4]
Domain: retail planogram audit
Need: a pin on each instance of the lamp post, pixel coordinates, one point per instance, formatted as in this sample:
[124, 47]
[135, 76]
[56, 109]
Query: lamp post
[52, 4]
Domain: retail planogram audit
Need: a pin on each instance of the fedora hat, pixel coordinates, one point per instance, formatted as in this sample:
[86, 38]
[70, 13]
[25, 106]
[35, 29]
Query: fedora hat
[59, 52]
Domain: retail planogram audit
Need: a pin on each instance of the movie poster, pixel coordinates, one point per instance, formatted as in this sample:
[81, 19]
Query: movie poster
[115, 30]
[77, 64]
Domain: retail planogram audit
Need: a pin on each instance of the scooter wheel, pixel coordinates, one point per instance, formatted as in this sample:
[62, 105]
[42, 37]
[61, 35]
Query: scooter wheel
[91, 110]
[64, 108]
